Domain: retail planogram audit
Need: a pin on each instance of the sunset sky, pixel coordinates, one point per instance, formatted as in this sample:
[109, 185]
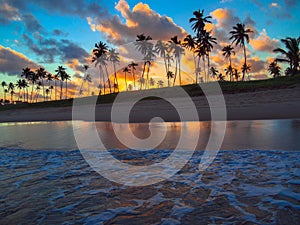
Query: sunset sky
[63, 32]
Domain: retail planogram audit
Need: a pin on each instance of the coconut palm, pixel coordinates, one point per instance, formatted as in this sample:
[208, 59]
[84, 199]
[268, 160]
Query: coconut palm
[236, 74]
[25, 86]
[214, 72]
[190, 44]
[201, 52]
[4, 84]
[55, 78]
[170, 75]
[227, 52]
[114, 58]
[61, 73]
[291, 54]
[51, 88]
[67, 77]
[126, 70]
[152, 82]
[177, 51]
[229, 72]
[100, 55]
[29, 76]
[19, 86]
[47, 93]
[160, 83]
[207, 42]
[88, 80]
[33, 79]
[240, 35]
[38, 88]
[198, 22]
[274, 69]
[161, 50]
[11, 88]
[42, 74]
[245, 69]
[132, 66]
[150, 55]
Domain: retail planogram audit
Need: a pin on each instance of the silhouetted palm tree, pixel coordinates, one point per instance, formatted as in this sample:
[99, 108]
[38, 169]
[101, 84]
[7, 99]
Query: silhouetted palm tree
[152, 82]
[60, 72]
[227, 52]
[42, 74]
[67, 77]
[201, 53]
[177, 51]
[229, 72]
[19, 85]
[207, 42]
[4, 84]
[170, 75]
[190, 44]
[198, 22]
[25, 87]
[100, 55]
[29, 75]
[55, 78]
[126, 70]
[274, 69]
[240, 35]
[245, 69]
[132, 66]
[11, 88]
[114, 58]
[160, 83]
[291, 54]
[161, 50]
[47, 93]
[214, 72]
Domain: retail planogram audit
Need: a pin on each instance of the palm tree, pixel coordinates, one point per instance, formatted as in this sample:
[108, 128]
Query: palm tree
[11, 88]
[291, 55]
[207, 42]
[229, 72]
[19, 85]
[190, 44]
[88, 79]
[178, 51]
[51, 88]
[114, 58]
[198, 22]
[130, 87]
[132, 65]
[42, 74]
[67, 77]
[55, 78]
[160, 83]
[161, 49]
[214, 72]
[170, 75]
[60, 72]
[152, 82]
[274, 69]
[33, 79]
[25, 86]
[236, 74]
[100, 55]
[47, 93]
[38, 88]
[4, 84]
[201, 53]
[240, 35]
[30, 76]
[245, 69]
[227, 52]
[126, 70]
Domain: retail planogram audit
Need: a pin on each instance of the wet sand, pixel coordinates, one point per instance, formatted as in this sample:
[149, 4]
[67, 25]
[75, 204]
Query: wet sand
[259, 105]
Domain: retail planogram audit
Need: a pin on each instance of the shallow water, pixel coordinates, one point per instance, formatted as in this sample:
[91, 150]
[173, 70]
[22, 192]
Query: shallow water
[44, 179]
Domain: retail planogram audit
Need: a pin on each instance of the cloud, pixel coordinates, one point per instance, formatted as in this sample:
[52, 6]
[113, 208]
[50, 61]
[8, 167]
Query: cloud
[141, 19]
[12, 62]
[257, 65]
[50, 49]
[264, 43]
[31, 23]
[291, 3]
[8, 13]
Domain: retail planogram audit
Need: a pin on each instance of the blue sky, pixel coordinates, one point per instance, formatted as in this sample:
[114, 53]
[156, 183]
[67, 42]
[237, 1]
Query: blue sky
[63, 32]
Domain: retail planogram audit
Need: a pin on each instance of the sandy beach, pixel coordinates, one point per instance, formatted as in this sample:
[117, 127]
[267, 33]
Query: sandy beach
[264, 104]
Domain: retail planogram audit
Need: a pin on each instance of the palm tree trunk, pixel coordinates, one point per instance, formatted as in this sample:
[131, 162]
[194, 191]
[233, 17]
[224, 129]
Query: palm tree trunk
[179, 70]
[144, 67]
[107, 75]
[175, 73]
[133, 78]
[43, 90]
[231, 68]
[245, 55]
[116, 79]
[19, 94]
[208, 64]
[55, 89]
[61, 89]
[126, 82]
[66, 89]
[31, 92]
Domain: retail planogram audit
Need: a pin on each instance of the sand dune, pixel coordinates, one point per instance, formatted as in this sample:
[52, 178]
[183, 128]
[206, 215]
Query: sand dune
[265, 104]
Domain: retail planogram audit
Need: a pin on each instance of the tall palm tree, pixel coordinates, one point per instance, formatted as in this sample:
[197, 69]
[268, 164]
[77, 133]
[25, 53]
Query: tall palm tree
[126, 70]
[144, 46]
[38, 88]
[33, 79]
[198, 22]
[67, 77]
[160, 83]
[152, 82]
[11, 88]
[291, 55]
[227, 52]
[47, 93]
[190, 44]
[245, 69]
[4, 84]
[114, 58]
[19, 85]
[132, 66]
[178, 51]
[161, 50]
[55, 78]
[170, 75]
[100, 55]
[61, 73]
[229, 72]
[29, 75]
[201, 52]
[214, 72]
[240, 35]
[25, 87]
[207, 42]
[42, 74]
[274, 69]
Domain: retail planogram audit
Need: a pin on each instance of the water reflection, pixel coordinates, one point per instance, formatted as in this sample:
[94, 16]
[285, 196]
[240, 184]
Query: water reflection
[264, 134]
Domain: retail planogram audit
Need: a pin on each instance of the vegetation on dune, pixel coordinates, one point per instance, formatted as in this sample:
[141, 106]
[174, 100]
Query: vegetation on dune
[41, 85]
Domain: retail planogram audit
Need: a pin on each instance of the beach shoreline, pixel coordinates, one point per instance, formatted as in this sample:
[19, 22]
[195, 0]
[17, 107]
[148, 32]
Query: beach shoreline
[258, 105]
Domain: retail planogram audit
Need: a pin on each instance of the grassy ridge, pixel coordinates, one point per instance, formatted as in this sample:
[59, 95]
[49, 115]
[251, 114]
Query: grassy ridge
[191, 89]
